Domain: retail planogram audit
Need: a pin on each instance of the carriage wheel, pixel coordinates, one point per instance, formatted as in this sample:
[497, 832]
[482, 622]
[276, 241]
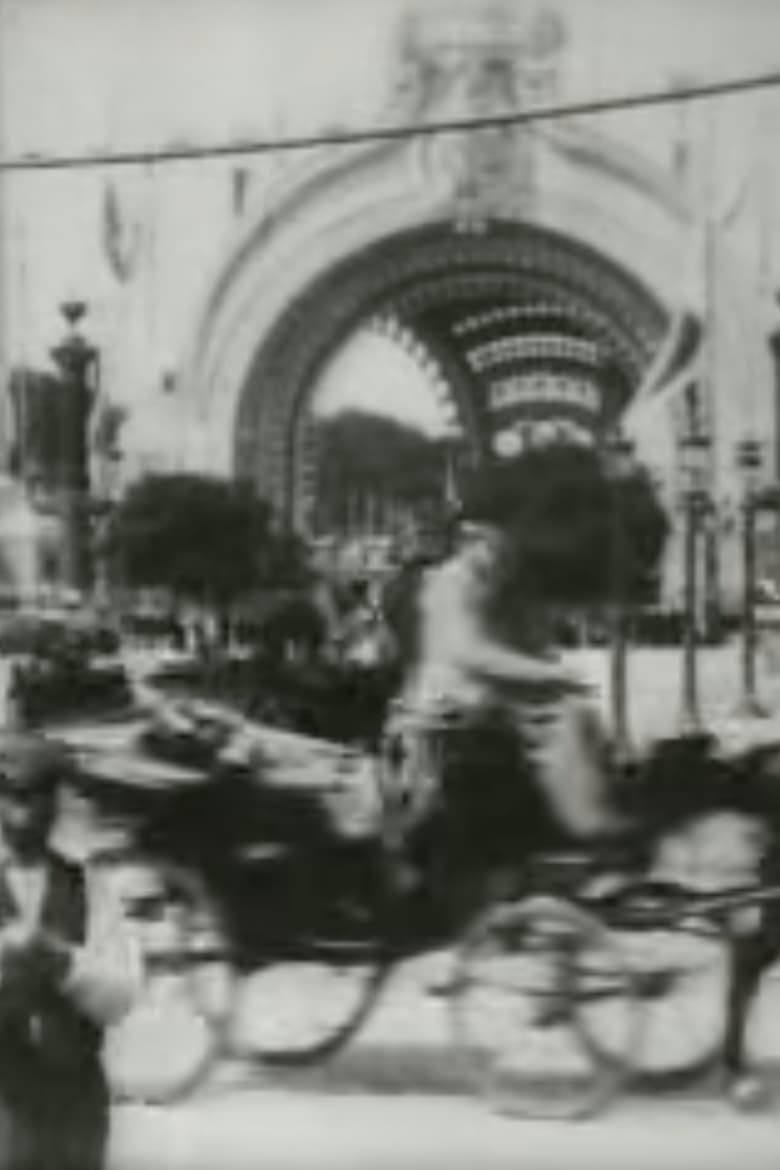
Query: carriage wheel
[681, 973]
[166, 1047]
[532, 981]
[300, 999]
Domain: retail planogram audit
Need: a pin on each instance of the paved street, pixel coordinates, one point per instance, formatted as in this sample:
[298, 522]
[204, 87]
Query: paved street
[256, 1129]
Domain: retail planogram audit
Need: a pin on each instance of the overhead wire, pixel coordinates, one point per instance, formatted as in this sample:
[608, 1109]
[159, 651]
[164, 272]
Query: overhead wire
[185, 152]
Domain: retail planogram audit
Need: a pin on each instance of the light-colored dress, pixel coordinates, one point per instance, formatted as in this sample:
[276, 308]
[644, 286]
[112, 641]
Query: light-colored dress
[462, 668]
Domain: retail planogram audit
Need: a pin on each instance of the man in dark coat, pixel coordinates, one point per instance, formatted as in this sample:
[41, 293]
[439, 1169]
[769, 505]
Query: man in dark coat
[68, 967]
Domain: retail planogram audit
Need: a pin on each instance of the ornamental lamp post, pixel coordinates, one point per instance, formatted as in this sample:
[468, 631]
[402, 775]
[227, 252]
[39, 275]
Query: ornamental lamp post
[619, 464]
[103, 511]
[77, 365]
[750, 464]
[766, 501]
[694, 456]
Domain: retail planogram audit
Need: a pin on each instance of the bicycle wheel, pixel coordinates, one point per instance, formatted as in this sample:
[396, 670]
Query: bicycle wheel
[532, 978]
[166, 1046]
[681, 973]
[304, 995]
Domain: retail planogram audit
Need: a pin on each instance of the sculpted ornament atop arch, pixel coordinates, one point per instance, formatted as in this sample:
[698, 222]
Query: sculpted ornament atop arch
[458, 64]
[493, 60]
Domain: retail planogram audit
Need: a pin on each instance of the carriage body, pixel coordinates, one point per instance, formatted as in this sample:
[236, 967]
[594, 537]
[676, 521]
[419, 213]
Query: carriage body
[293, 827]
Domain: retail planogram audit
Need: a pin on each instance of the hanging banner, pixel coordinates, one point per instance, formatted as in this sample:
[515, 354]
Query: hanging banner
[121, 235]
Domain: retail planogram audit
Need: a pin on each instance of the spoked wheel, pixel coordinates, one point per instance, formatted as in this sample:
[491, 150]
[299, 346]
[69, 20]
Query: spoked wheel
[681, 975]
[534, 981]
[166, 1046]
[300, 998]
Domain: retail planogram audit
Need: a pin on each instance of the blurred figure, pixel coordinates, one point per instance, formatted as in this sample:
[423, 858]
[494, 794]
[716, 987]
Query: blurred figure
[68, 968]
[12, 705]
[463, 666]
[366, 640]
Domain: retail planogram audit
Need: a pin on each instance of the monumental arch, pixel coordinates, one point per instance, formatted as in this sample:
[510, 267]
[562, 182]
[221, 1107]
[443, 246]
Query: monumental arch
[532, 267]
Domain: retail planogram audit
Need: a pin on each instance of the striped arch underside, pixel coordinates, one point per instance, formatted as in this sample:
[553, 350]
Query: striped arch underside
[407, 274]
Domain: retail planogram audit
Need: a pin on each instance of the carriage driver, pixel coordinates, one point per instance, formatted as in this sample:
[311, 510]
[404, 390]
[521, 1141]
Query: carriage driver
[463, 666]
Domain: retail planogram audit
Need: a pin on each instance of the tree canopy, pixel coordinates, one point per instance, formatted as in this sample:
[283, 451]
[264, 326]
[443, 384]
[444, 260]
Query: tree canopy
[200, 537]
[364, 452]
[561, 511]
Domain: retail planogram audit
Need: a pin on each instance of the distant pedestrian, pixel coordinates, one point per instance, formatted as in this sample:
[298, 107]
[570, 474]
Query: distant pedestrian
[12, 706]
[367, 641]
[68, 968]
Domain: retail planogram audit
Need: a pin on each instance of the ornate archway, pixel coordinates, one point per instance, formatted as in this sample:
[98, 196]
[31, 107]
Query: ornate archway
[491, 304]
[507, 252]
[524, 260]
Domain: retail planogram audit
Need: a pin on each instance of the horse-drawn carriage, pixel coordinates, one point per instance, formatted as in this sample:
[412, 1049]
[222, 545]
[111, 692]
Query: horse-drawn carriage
[284, 875]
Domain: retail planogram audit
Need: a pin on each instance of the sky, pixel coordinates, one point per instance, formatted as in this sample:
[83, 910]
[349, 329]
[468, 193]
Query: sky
[80, 75]
[373, 374]
[98, 72]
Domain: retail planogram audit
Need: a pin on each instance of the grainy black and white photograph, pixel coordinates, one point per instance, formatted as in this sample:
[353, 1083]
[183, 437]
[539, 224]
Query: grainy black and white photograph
[389, 584]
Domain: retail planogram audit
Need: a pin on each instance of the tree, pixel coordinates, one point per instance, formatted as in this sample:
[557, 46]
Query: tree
[204, 539]
[366, 454]
[561, 510]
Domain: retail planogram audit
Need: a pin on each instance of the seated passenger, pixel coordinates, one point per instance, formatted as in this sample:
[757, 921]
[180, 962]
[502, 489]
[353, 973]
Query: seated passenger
[462, 665]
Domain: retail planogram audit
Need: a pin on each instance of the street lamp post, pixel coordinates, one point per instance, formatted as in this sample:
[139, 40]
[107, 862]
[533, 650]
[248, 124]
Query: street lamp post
[451, 501]
[749, 461]
[76, 361]
[619, 464]
[108, 452]
[694, 462]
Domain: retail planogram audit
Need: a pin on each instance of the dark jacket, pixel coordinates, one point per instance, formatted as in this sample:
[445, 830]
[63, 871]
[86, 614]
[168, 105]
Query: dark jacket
[52, 1085]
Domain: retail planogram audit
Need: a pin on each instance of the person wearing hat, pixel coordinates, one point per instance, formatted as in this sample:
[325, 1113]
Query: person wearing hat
[68, 968]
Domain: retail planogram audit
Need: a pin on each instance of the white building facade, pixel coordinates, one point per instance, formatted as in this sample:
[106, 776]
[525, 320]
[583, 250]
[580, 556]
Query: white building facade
[537, 271]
